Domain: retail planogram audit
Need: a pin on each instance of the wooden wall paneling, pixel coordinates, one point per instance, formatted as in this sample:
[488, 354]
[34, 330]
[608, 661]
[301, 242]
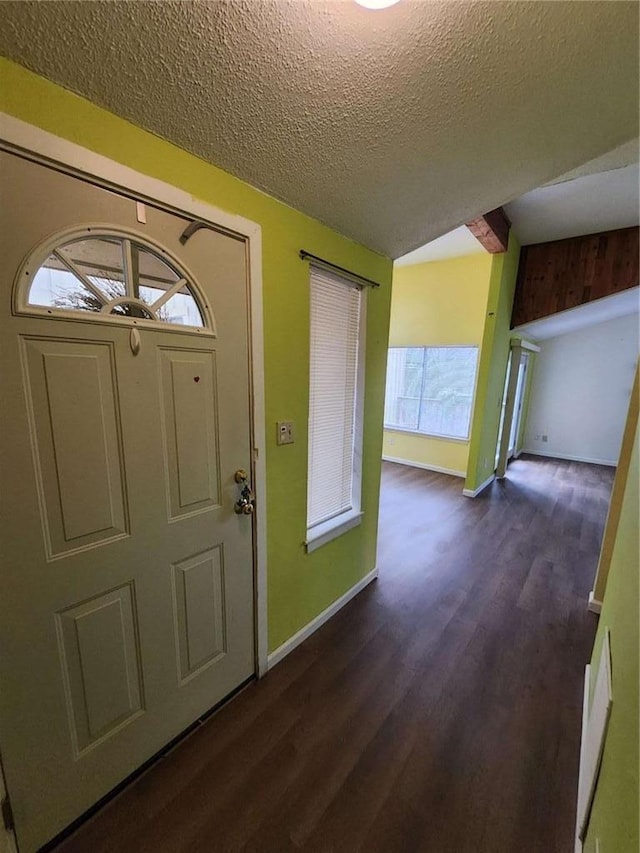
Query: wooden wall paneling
[563, 274]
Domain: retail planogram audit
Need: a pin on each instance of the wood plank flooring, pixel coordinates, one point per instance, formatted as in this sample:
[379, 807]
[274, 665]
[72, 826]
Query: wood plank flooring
[438, 712]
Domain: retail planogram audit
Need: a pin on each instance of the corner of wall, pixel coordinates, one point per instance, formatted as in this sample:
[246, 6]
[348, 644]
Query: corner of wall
[617, 493]
[493, 365]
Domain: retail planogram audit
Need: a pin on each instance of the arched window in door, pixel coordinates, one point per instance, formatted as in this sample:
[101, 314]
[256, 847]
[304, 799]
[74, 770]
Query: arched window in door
[111, 275]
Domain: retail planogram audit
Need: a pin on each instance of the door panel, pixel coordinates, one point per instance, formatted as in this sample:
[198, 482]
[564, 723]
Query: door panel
[200, 611]
[128, 605]
[100, 657]
[74, 427]
[189, 416]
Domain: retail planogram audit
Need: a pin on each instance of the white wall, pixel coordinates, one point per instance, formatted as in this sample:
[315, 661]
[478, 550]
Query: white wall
[580, 392]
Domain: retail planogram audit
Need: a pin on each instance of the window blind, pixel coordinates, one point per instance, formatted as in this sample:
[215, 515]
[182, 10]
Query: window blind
[334, 335]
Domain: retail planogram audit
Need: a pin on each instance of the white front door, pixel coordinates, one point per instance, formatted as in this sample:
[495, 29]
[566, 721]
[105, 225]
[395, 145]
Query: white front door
[127, 600]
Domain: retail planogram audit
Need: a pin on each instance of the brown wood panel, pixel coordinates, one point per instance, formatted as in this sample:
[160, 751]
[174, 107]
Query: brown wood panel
[439, 712]
[566, 273]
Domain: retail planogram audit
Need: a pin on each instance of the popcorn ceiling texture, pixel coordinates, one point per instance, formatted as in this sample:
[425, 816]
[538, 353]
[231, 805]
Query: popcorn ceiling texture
[391, 126]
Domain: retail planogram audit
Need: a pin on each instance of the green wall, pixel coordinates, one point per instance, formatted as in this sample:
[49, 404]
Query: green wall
[614, 818]
[299, 585]
[493, 366]
[439, 303]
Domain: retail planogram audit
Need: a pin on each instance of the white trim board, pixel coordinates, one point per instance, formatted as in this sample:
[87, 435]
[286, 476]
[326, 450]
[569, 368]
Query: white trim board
[43, 147]
[594, 734]
[473, 493]
[300, 636]
[583, 749]
[569, 458]
[424, 466]
[594, 605]
[528, 346]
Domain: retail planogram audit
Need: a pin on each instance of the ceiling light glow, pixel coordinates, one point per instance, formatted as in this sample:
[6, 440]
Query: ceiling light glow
[376, 4]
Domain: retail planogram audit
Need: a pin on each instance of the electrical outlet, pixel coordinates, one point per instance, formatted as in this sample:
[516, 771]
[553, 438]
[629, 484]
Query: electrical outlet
[284, 432]
[545, 438]
[391, 440]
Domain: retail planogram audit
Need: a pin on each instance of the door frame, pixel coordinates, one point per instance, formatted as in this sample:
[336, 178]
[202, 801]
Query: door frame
[518, 405]
[519, 348]
[33, 143]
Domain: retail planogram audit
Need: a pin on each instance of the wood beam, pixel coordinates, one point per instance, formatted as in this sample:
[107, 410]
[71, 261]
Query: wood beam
[491, 230]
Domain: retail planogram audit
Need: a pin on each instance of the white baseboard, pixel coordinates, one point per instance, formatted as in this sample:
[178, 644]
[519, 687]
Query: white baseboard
[594, 605]
[424, 466]
[300, 636]
[473, 493]
[569, 458]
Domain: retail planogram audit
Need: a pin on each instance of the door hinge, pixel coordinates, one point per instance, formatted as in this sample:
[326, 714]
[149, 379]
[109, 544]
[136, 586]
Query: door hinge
[7, 814]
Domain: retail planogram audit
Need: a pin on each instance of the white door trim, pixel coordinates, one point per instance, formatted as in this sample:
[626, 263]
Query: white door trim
[19, 136]
[515, 355]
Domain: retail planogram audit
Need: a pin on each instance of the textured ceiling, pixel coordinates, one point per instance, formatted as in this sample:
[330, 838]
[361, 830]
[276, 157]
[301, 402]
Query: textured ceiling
[455, 244]
[625, 155]
[392, 126]
[601, 195]
[586, 205]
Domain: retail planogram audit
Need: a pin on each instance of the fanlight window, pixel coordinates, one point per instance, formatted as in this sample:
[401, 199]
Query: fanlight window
[112, 275]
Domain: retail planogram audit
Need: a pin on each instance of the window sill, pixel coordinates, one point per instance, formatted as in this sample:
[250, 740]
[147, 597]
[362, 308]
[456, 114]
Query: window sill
[331, 529]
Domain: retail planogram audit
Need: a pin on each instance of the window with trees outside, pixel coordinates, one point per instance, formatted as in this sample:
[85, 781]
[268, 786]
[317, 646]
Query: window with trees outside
[430, 390]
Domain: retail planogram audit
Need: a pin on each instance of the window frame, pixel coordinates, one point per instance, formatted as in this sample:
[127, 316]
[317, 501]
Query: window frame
[436, 435]
[323, 532]
[38, 255]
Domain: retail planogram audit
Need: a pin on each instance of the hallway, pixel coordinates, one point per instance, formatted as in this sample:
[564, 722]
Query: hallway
[439, 711]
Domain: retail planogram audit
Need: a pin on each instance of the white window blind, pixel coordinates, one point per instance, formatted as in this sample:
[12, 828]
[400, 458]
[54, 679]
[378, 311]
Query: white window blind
[335, 336]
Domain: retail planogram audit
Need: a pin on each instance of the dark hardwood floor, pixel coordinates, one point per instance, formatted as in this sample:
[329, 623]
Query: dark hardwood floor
[439, 711]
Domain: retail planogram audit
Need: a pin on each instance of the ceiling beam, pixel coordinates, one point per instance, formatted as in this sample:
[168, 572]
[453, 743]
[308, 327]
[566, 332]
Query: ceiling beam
[491, 230]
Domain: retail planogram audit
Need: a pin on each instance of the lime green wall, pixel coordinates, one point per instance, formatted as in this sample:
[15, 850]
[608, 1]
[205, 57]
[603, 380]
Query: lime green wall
[299, 585]
[437, 303]
[614, 819]
[493, 365]
[440, 302]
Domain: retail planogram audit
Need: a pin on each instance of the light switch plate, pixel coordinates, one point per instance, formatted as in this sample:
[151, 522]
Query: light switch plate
[284, 432]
